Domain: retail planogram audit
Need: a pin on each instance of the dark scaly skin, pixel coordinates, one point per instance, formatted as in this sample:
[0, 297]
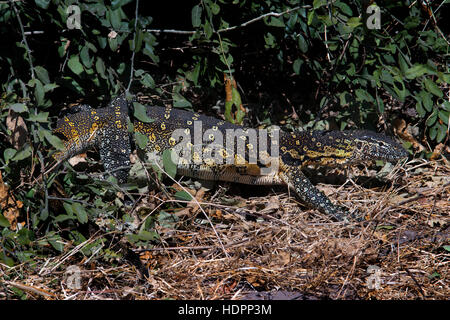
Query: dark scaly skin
[106, 128]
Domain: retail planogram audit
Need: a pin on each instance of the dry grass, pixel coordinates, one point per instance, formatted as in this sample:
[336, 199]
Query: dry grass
[273, 244]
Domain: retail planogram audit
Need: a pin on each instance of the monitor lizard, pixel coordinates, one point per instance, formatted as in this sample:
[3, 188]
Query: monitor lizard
[107, 129]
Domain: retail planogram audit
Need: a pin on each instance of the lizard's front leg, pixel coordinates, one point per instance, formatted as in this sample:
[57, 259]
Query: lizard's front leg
[308, 193]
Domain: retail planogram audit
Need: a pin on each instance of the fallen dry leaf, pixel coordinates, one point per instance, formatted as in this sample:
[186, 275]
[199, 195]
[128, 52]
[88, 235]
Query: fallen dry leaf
[19, 131]
[404, 131]
[192, 205]
[9, 205]
[437, 151]
[78, 159]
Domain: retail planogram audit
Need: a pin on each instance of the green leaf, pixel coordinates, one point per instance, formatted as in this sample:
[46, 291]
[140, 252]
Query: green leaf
[363, 95]
[42, 74]
[354, 22]
[68, 207]
[400, 90]
[167, 220]
[25, 236]
[411, 22]
[102, 41]
[62, 217]
[44, 214]
[10, 263]
[56, 243]
[183, 195]
[196, 15]
[270, 40]
[297, 65]
[42, 3]
[319, 3]
[344, 8]
[139, 72]
[115, 18]
[420, 110]
[276, 22]
[169, 166]
[148, 50]
[18, 107]
[215, 9]
[84, 55]
[54, 140]
[236, 97]
[415, 71]
[121, 68]
[432, 118]
[80, 212]
[434, 131]
[444, 115]
[179, 101]
[441, 133]
[119, 3]
[193, 74]
[39, 92]
[140, 112]
[387, 227]
[446, 247]
[137, 43]
[302, 44]
[434, 276]
[380, 104]
[50, 86]
[228, 109]
[75, 65]
[40, 117]
[100, 67]
[145, 235]
[3, 221]
[147, 81]
[427, 102]
[208, 29]
[22, 154]
[8, 154]
[310, 17]
[446, 105]
[141, 140]
[432, 87]
[402, 63]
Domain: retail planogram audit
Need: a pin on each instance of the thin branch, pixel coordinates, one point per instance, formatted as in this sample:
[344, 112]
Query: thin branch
[33, 32]
[134, 49]
[270, 14]
[191, 32]
[170, 31]
[24, 38]
[44, 180]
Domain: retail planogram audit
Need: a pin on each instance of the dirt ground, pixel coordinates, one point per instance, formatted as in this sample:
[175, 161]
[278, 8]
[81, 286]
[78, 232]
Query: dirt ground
[234, 243]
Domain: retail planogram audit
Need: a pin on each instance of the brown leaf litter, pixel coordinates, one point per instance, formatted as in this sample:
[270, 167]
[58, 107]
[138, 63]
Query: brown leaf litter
[272, 247]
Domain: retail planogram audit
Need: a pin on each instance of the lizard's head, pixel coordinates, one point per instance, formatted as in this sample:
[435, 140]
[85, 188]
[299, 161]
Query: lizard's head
[368, 145]
[333, 148]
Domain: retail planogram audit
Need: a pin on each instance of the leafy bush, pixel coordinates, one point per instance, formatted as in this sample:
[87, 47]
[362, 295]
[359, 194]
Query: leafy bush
[319, 61]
